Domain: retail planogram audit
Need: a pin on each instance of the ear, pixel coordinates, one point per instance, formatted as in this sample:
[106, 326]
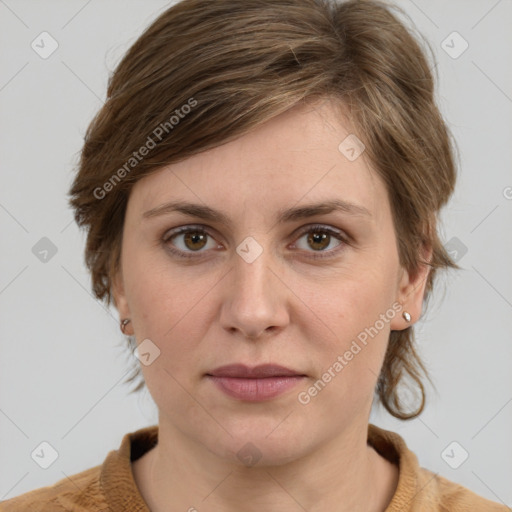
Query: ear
[411, 290]
[120, 301]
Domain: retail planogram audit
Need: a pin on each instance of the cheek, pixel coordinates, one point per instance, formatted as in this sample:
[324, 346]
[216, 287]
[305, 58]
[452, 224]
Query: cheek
[154, 292]
[357, 313]
[357, 299]
[170, 306]
[166, 307]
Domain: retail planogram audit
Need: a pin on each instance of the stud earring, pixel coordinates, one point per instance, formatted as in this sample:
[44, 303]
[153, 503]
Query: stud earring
[123, 325]
[406, 316]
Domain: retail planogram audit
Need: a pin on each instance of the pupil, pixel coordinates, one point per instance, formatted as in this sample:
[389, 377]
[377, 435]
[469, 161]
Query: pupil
[318, 237]
[194, 238]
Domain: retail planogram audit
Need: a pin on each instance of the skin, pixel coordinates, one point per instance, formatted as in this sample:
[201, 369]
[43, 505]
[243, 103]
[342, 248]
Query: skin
[285, 308]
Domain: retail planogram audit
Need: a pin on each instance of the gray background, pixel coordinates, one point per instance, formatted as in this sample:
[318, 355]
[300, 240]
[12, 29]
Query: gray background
[62, 358]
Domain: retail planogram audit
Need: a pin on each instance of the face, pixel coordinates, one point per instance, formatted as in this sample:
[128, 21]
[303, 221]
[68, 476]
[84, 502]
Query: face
[267, 280]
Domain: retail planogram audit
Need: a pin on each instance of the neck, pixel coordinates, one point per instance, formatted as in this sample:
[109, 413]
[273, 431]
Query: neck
[344, 474]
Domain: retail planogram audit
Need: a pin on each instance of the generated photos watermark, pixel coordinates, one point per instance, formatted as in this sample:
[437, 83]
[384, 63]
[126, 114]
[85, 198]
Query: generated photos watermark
[304, 397]
[156, 136]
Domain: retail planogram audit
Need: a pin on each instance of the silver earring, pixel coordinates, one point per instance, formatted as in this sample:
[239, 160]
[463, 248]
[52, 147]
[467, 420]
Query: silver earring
[124, 323]
[406, 316]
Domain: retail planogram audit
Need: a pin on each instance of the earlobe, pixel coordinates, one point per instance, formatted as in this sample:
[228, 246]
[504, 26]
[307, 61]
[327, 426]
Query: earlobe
[121, 304]
[410, 293]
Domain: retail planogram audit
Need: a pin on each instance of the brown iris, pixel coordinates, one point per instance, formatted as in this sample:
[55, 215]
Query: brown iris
[318, 237]
[194, 237]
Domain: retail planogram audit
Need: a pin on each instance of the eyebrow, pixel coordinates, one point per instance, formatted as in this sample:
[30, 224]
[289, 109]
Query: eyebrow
[283, 215]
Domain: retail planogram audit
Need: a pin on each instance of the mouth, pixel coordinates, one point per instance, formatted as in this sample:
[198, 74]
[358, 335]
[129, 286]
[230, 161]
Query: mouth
[262, 371]
[254, 384]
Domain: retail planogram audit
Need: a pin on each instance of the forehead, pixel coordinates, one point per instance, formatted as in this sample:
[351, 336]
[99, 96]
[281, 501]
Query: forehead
[295, 157]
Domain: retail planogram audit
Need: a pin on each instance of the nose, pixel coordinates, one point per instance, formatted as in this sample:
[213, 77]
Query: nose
[255, 298]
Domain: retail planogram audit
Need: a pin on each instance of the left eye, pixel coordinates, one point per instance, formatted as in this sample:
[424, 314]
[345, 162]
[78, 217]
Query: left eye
[194, 239]
[319, 238]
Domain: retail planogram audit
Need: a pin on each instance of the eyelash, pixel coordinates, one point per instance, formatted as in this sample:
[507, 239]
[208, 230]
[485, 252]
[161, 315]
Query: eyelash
[200, 230]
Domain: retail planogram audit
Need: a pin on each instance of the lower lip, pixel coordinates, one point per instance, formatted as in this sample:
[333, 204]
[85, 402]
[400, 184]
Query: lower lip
[254, 390]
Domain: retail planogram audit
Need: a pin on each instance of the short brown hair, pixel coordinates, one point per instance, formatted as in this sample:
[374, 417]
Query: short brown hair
[238, 63]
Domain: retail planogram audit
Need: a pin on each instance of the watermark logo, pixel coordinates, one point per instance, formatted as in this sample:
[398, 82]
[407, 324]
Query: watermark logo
[454, 455]
[44, 455]
[249, 454]
[454, 45]
[351, 147]
[44, 45]
[249, 249]
[456, 249]
[146, 352]
[44, 250]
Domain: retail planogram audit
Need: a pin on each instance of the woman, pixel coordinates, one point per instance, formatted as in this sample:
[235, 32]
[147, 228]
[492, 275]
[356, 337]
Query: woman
[261, 193]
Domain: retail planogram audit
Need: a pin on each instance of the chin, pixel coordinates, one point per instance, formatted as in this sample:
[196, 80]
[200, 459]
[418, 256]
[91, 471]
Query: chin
[262, 442]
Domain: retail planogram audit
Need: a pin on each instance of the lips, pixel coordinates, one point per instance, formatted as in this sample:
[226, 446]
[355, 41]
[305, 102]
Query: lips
[257, 372]
[254, 384]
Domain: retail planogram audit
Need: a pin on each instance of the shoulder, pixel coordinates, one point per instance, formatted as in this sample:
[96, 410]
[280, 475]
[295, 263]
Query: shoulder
[447, 496]
[103, 488]
[419, 489]
[82, 489]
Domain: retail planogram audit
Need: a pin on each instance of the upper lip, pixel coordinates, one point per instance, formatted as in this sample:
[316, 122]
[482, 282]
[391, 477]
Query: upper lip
[260, 371]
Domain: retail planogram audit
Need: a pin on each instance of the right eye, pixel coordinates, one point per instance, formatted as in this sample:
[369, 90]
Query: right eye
[192, 240]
